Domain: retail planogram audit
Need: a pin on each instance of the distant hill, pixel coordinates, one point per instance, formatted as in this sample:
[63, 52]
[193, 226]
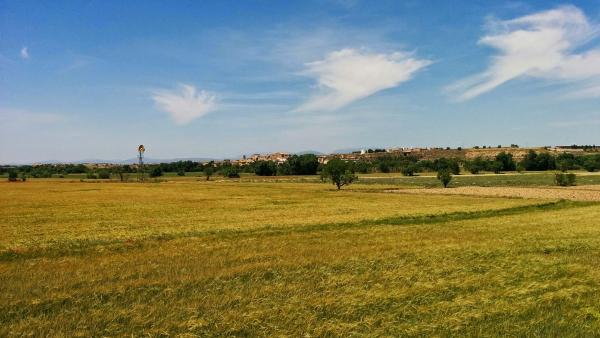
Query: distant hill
[345, 150]
[133, 160]
[165, 160]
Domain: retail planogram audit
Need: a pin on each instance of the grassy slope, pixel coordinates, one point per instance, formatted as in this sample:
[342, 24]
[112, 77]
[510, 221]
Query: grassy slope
[527, 270]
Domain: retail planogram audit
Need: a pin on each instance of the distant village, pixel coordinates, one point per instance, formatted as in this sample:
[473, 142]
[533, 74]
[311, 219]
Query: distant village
[423, 153]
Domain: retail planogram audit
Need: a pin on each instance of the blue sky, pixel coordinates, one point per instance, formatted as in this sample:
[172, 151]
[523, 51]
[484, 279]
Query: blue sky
[93, 79]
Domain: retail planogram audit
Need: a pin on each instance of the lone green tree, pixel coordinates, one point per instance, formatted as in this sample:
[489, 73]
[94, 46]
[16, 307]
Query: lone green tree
[339, 172]
[445, 176]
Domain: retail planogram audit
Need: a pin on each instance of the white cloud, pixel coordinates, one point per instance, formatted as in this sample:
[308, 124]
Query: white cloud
[24, 53]
[541, 45]
[186, 103]
[348, 75]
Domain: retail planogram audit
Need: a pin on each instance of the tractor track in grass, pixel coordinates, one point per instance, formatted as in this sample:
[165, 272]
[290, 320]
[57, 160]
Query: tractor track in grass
[85, 247]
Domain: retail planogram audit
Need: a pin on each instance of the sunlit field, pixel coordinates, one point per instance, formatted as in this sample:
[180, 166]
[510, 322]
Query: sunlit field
[262, 258]
[48, 215]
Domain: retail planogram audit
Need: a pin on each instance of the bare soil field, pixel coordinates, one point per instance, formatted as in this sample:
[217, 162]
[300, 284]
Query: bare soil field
[577, 193]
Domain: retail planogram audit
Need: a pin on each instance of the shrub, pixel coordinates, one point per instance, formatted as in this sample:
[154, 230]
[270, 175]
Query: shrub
[449, 164]
[476, 165]
[123, 176]
[339, 172]
[306, 164]
[565, 162]
[520, 168]
[591, 163]
[546, 161]
[104, 174]
[541, 161]
[496, 167]
[41, 173]
[208, 172]
[230, 172]
[362, 167]
[180, 173]
[91, 176]
[426, 165]
[409, 169]
[445, 176]
[12, 176]
[564, 179]
[472, 169]
[156, 172]
[265, 168]
[506, 161]
[23, 177]
[284, 169]
[384, 167]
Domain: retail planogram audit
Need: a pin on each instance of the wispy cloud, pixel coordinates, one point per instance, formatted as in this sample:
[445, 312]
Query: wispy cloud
[24, 53]
[78, 61]
[348, 75]
[186, 103]
[541, 45]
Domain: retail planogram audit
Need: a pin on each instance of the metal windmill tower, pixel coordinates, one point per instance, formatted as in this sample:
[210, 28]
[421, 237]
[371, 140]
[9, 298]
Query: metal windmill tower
[141, 151]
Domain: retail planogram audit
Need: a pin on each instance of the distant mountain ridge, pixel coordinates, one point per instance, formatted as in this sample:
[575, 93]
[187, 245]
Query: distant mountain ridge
[304, 152]
[345, 150]
[149, 160]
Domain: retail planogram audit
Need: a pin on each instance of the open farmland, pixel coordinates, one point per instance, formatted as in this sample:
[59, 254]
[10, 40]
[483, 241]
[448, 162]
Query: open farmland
[195, 258]
[528, 179]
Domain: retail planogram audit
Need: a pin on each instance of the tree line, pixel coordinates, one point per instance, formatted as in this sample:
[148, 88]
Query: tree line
[308, 164]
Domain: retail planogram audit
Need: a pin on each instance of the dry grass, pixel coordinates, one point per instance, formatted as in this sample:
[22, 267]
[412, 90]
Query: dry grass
[526, 271]
[51, 213]
[577, 193]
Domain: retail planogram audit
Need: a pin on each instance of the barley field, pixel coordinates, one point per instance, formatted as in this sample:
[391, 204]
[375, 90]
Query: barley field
[192, 258]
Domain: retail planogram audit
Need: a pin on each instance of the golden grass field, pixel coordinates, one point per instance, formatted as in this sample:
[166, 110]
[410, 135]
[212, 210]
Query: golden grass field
[195, 258]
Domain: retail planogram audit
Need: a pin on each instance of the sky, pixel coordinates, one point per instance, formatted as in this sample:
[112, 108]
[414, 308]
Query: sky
[219, 79]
